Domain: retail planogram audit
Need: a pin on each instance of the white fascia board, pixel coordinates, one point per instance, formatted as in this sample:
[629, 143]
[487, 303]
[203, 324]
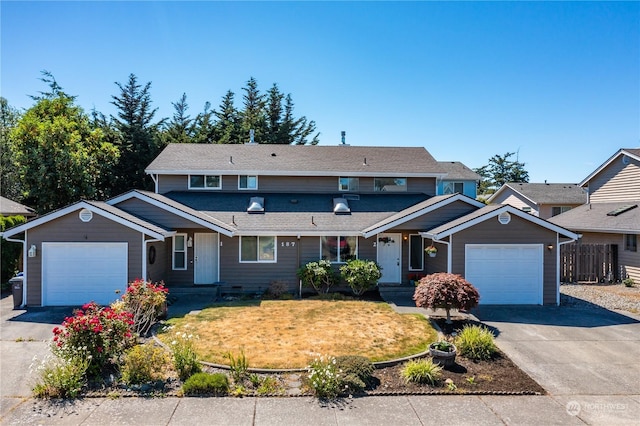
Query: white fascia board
[78, 206]
[606, 163]
[297, 173]
[495, 213]
[386, 226]
[177, 212]
[502, 188]
[263, 233]
[608, 230]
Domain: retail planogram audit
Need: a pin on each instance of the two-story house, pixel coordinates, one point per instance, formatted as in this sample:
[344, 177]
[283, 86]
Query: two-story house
[611, 214]
[245, 215]
[544, 200]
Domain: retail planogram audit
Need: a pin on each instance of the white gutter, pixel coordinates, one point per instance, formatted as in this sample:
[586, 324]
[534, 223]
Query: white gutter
[24, 266]
[559, 244]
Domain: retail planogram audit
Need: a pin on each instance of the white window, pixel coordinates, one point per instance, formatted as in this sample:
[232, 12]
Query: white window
[205, 182]
[348, 184]
[390, 184]
[247, 182]
[338, 249]
[257, 249]
[452, 188]
[416, 253]
[555, 211]
[180, 252]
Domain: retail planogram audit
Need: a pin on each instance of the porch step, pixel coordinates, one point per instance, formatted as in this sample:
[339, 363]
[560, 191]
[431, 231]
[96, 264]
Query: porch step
[399, 290]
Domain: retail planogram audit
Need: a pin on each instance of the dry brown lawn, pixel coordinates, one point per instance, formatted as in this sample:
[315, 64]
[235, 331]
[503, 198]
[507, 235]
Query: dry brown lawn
[289, 334]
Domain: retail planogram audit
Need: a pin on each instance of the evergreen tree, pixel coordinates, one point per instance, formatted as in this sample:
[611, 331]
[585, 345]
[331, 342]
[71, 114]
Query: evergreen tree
[296, 131]
[204, 126]
[60, 157]
[180, 128]
[499, 171]
[252, 116]
[227, 128]
[274, 116]
[139, 139]
[10, 183]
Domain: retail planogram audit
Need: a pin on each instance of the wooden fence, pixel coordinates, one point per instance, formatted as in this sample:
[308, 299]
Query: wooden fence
[589, 262]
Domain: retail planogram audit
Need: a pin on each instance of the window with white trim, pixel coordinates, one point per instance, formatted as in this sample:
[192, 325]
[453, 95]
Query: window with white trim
[556, 210]
[247, 182]
[338, 249]
[348, 184]
[257, 249]
[205, 182]
[416, 253]
[630, 242]
[179, 257]
[390, 184]
[452, 188]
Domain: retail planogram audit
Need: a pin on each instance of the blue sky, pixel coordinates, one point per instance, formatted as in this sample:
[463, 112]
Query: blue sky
[557, 82]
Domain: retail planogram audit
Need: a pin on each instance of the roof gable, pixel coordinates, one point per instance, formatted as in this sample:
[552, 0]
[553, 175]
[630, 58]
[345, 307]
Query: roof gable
[631, 152]
[295, 160]
[544, 193]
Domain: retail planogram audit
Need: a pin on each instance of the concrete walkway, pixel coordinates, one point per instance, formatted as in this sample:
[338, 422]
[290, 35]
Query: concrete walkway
[570, 401]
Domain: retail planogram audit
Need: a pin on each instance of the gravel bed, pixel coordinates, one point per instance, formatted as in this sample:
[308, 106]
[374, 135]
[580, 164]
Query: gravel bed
[608, 296]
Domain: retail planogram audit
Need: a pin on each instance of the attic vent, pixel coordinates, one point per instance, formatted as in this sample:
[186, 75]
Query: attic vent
[341, 206]
[256, 205]
[86, 215]
[504, 218]
[353, 197]
[622, 209]
[625, 159]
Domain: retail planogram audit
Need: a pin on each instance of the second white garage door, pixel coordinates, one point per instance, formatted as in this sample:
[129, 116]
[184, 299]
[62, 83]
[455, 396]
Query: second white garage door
[506, 274]
[77, 273]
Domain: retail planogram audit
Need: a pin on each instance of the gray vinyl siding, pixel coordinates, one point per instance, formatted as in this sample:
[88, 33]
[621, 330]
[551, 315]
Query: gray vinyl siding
[438, 263]
[179, 277]
[314, 184]
[628, 261]
[546, 210]
[511, 197]
[155, 214]
[158, 271]
[518, 231]
[616, 182]
[70, 228]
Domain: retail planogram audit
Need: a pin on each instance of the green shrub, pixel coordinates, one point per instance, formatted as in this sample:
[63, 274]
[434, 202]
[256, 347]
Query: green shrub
[324, 378]
[206, 384]
[361, 275]
[356, 372]
[318, 275]
[239, 367]
[423, 371]
[60, 378]
[277, 290]
[476, 342]
[144, 363]
[10, 250]
[269, 385]
[146, 302]
[629, 282]
[185, 359]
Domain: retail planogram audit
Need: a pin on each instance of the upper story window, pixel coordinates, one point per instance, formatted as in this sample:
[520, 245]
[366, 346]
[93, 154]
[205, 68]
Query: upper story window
[338, 249]
[630, 242]
[348, 184]
[247, 182]
[390, 184]
[555, 211]
[205, 182]
[452, 188]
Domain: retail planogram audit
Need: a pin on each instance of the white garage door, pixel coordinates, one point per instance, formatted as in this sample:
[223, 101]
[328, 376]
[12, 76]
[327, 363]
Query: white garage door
[506, 274]
[77, 273]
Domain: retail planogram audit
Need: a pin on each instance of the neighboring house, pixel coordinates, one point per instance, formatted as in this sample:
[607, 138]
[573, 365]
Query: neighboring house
[244, 216]
[544, 200]
[612, 213]
[458, 179]
[11, 208]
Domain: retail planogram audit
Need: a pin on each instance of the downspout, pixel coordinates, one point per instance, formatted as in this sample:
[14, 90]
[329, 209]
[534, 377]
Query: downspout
[298, 265]
[24, 266]
[155, 181]
[559, 244]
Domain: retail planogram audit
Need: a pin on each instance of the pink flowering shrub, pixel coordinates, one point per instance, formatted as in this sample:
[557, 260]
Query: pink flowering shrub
[146, 302]
[96, 333]
[446, 291]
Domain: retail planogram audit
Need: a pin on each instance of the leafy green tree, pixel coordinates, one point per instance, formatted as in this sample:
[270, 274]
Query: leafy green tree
[180, 128]
[499, 171]
[138, 135]
[227, 128]
[10, 259]
[59, 156]
[10, 185]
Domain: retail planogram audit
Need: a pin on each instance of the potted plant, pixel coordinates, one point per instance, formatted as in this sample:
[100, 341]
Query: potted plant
[443, 353]
[431, 251]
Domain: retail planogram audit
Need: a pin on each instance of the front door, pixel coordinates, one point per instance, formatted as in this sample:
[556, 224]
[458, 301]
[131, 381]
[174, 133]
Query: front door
[389, 255]
[206, 258]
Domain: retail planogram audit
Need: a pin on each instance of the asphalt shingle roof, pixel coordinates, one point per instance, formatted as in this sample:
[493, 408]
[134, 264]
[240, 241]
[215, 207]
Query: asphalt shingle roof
[457, 170]
[301, 160]
[551, 193]
[11, 208]
[130, 218]
[593, 217]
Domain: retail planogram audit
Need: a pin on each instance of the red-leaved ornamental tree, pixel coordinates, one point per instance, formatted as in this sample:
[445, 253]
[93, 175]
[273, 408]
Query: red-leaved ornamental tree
[446, 291]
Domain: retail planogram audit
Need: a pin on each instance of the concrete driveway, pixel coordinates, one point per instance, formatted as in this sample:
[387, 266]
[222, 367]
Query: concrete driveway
[586, 358]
